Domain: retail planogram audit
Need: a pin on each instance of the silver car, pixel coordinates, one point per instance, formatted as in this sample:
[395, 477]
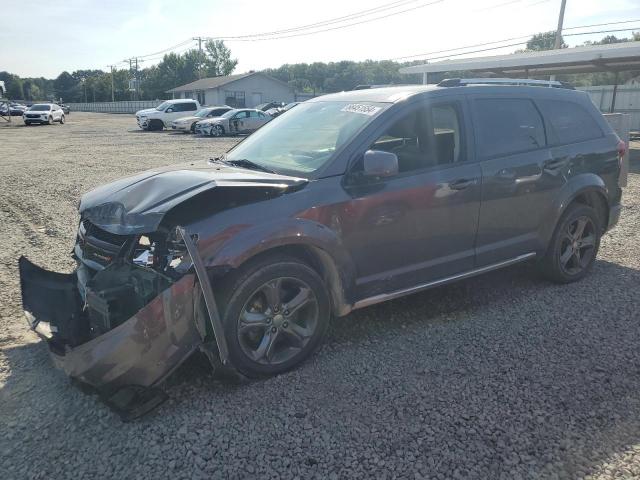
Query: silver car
[243, 120]
[188, 124]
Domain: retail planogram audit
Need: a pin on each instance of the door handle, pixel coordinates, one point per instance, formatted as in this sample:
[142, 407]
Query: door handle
[554, 164]
[462, 183]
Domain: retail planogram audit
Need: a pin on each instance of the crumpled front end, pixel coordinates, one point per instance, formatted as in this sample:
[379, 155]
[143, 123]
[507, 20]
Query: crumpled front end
[120, 323]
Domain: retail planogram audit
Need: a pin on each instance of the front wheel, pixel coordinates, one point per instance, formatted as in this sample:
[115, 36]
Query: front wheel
[50, 120]
[275, 315]
[217, 131]
[62, 119]
[574, 245]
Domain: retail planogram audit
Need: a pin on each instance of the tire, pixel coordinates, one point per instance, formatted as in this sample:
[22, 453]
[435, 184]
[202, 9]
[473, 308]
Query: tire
[216, 131]
[574, 245]
[50, 120]
[28, 124]
[193, 127]
[62, 120]
[275, 314]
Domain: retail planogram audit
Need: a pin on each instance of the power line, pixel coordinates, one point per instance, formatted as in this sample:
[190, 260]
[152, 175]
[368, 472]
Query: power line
[236, 39]
[521, 38]
[351, 16]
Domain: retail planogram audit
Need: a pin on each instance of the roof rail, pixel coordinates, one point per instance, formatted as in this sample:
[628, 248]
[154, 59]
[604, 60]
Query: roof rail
[460, 82]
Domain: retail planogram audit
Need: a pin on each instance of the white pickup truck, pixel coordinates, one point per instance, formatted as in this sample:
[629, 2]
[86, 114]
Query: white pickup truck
[162, 116]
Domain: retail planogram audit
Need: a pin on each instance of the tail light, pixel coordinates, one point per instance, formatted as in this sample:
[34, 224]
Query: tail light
[622, 150]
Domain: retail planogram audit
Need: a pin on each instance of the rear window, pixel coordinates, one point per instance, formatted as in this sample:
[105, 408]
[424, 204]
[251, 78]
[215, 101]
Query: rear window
[508, 125]
[569, 122]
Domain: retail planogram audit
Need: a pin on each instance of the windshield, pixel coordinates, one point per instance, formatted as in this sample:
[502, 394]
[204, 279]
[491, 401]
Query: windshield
[230, 113]
[304, 139]
[202, 113]
[163, 106]
[40, 108]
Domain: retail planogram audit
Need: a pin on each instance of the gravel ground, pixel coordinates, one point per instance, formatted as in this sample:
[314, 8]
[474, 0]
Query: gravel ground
[501, 376]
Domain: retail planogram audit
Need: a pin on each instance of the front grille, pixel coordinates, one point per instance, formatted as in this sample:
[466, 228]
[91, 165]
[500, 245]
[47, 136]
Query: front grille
[91, 230]
[97, 244]
[32, 115]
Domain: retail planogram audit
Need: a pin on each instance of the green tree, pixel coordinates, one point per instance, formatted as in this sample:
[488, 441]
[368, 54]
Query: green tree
[218, 59]
[544, 41]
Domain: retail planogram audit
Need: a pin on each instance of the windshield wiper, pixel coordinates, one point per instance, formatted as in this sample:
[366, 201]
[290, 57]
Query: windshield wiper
[248, 164]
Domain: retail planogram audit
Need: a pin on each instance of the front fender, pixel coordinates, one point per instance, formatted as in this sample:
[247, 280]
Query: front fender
[568, 193]
[241, 245]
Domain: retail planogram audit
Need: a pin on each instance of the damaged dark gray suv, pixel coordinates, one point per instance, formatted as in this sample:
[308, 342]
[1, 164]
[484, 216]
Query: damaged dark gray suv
[345, 201]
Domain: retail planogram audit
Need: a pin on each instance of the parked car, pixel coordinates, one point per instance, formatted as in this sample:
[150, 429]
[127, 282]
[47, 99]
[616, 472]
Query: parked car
[17, 109]
[65, 108]
[188, 124]
[243, 120]
[162, 116]
[348, 200]
[274, 112]
[43, 113]
[266, 106]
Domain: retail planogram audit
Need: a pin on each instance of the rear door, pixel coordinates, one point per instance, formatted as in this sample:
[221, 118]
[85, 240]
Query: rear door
[519, 178]
[183, 109]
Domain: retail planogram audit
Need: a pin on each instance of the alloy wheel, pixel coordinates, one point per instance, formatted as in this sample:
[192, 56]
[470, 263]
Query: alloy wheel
[278, 321]
[577, 247]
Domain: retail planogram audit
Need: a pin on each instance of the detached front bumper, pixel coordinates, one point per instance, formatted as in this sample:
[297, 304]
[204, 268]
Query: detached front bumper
[139, 353]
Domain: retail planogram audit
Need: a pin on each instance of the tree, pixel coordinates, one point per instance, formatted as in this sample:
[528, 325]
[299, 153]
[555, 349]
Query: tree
[218, 59]
[65, 87]
[544, 41]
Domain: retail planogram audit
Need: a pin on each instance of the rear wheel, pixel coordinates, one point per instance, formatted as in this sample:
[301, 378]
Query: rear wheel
[574, 245]
[276, 313]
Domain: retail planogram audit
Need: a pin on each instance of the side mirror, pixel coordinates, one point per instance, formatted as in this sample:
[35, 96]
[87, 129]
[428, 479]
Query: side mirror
[378, 163]
[169, 110]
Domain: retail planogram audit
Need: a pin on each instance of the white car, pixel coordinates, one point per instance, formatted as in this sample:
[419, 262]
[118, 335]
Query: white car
[188, 124]
[243, 120]
[162, 116]
[43, 113]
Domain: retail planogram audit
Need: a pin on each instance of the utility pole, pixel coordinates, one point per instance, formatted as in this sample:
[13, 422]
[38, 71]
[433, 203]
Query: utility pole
[113, 99]
[136, 79]
[135, 74]
[558, 42]
[199, 40]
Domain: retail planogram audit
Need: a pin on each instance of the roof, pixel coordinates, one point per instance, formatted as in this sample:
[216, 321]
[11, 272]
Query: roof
[397, 94]
[386, 94]
[593, 58]
[215, 82]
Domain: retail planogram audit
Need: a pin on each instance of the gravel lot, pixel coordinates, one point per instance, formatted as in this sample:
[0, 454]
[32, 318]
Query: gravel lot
[502, 376]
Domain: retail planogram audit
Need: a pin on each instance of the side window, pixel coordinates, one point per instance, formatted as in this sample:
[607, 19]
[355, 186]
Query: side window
[253, 114]
[569, 122]
[241, 115]
[507, 125]
[446, 134]
[188, 107]
[425, 138]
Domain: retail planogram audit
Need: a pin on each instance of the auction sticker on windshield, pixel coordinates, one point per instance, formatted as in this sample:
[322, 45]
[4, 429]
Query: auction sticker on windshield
[364, 109]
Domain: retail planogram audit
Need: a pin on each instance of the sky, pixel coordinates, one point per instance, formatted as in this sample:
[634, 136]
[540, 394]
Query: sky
[44, 38]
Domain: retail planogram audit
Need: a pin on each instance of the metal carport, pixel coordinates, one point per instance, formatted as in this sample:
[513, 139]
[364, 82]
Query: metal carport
[615, 58]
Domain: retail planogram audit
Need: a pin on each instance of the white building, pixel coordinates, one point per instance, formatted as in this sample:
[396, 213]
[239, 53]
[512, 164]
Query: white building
[242, 90]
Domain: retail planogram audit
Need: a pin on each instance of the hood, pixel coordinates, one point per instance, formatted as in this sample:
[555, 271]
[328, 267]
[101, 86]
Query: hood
[146, 110]
[210, 121]
[190, 118]
[138, 204]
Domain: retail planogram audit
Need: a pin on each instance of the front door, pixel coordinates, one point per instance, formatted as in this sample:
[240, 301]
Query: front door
[519, 178]
[419, 225]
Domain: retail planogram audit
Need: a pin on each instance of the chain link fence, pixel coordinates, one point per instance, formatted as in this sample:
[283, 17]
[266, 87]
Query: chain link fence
[114, 107]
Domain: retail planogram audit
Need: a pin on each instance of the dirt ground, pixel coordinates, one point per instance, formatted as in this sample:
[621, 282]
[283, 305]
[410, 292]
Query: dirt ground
[503, 376]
